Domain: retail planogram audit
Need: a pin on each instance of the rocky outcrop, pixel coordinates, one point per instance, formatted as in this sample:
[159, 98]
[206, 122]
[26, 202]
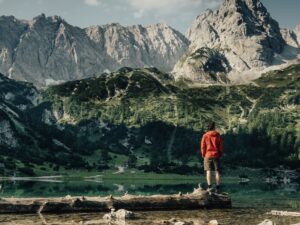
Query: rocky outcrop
[297, 32]
[19, 94]
[48, 50]
[242, 30]
[11, 31]
[290, 37]
[7, 134]
[15, 99]
[205, 65]
[156, 45]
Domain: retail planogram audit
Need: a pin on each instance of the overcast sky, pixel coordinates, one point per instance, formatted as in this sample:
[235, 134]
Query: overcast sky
[178, 13]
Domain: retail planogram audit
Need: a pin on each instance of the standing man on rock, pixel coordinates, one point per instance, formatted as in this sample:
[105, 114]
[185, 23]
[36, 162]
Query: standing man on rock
[212, 150]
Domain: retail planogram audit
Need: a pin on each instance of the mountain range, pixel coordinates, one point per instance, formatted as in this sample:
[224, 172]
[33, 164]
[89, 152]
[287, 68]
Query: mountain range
[220, 47]
[48, 50]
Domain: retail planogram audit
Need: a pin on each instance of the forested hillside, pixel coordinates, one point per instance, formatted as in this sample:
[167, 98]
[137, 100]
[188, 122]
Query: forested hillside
[144, 119]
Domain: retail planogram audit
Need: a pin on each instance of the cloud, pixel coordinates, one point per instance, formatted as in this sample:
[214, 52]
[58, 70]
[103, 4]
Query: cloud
[40, 2]
[169, 7]
[138, 14]
[92, 2]
[1, 1]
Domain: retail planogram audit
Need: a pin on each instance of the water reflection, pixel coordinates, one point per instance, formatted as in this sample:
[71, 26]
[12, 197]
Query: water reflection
[251, 200]
[249, 194]
[245, 191]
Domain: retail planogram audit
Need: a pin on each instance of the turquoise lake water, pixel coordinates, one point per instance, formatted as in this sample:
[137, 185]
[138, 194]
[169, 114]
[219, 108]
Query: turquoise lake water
[250, 201]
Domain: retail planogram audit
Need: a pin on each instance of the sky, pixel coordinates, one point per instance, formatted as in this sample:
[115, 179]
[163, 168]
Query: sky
[177, 13]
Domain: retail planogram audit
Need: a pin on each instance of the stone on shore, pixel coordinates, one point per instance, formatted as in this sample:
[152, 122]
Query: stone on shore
[121, 214]
[174, 221]
[267, 222]
[213, 222]
[284, 213]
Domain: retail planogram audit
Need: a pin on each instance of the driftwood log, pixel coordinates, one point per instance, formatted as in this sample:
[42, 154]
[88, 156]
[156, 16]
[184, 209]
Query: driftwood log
[196, 200]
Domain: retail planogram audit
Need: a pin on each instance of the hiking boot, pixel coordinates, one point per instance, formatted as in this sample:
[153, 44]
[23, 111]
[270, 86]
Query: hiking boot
[209, 189]
[218, 191]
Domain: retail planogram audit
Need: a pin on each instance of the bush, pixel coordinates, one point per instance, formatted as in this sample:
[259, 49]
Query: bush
[27, 171]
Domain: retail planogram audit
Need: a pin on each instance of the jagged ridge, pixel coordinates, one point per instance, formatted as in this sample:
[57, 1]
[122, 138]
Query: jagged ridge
[48, 50]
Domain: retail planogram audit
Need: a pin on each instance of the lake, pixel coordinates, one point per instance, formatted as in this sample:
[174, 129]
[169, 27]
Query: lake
[251, 201]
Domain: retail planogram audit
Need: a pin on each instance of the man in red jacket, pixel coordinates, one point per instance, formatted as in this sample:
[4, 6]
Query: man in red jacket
[212, 150]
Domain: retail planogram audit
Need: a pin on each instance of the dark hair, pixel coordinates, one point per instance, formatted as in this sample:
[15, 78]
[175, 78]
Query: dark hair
[211, 125]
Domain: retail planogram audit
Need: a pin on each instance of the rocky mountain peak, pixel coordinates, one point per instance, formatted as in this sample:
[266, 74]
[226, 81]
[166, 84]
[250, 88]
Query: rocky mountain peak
[241, 3]
[290, 37]
[42, 16]
[239, 18]
[161, 25]
[241, 30]
[7, 18]
[40, 19]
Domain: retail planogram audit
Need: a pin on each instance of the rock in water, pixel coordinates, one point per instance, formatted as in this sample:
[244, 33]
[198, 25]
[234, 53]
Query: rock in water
[242, 34]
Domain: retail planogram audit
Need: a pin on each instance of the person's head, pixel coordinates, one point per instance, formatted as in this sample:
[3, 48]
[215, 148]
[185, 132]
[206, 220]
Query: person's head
[211, 125]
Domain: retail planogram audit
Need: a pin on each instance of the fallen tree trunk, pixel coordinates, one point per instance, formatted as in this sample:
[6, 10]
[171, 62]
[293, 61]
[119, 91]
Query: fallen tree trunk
[196, 200]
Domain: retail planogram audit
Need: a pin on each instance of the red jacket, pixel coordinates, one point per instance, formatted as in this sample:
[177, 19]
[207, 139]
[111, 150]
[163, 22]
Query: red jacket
[212, 145]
